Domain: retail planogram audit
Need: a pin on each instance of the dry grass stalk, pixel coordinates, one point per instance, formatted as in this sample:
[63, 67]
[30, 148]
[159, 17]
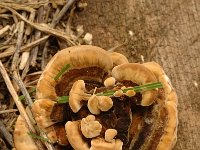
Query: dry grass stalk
[8, 111]
[44, 28]
[24, 29]
[18, 103]
[18, 46]
[6, 134]
[54, 22]
[24, 6]
[24, 48]
[5, 29]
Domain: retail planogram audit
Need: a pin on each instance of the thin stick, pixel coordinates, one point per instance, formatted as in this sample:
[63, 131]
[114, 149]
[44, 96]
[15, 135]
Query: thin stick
[43, 28]
[44, 56]
[20, 83]
[8, 111]
[62, 12]
[31, 19]
[69, 21]
[3, 30]
[6, 134]
[18, 103]
[18, 6]
[25, 47]
[18, 46]
[34, 52]
[54, 22]
[10, 38]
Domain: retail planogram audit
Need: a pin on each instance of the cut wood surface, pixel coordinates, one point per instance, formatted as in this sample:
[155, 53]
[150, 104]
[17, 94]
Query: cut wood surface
[167, 32]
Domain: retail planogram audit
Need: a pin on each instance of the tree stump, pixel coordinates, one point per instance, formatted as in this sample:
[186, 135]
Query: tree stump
[167, 32]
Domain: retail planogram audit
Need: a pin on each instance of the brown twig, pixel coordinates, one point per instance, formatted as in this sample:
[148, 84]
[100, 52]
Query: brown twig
[10, 38]
[18, 103]
[31, 19]
[8, 111]
[25, 47]
[18, 46]
[40, 18]
[54, 22]
[62, 13]
[3, 30]
[6, 134]
[34, 51]
[44, 56]
[44, 28]
[69, 21]
[19, 6]
[20, 83]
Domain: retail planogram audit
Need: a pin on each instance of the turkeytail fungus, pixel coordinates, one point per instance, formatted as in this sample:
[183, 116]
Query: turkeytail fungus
[98, 114]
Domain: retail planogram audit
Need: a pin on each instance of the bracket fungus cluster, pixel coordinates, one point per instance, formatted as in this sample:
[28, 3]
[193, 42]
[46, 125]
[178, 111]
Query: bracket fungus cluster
[108, 104]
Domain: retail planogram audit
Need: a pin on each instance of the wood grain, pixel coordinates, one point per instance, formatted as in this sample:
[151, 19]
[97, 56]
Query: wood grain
[167, 32]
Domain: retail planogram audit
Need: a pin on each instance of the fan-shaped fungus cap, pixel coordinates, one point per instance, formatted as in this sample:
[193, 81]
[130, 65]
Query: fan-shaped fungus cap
[105, 103]
[96, 104]
[109, 82]
[110, 134]
[76, 95]
[78, 57]
[163, 78]
[101, 144]
[22, 140]
[138, 74]
[169, 137]
[118, 59]
[118, 93]
[89, 127]
[130, 93]
[42, 110]
[93, 105]
[74, 135]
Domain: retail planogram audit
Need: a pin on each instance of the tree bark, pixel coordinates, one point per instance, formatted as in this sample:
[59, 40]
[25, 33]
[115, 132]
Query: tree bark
[167, 32]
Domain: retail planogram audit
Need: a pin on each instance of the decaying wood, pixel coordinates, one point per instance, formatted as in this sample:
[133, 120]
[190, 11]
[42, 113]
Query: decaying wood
[25, 27]
[163, 31]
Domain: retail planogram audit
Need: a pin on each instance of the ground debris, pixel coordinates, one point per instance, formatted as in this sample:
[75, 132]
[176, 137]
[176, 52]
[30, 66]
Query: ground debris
[31, 32]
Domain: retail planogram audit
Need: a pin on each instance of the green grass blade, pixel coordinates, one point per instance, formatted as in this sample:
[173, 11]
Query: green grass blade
[35, 136]
[22, 97]
[62, 71]
[63, 99]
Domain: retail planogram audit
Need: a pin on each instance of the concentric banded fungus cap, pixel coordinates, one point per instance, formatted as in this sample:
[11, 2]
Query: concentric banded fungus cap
[78, 57]
[118, 59]
[74, 136]
[76, 95]
[157, 120]
[22, 140]
[169, 137]
[138, 74]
